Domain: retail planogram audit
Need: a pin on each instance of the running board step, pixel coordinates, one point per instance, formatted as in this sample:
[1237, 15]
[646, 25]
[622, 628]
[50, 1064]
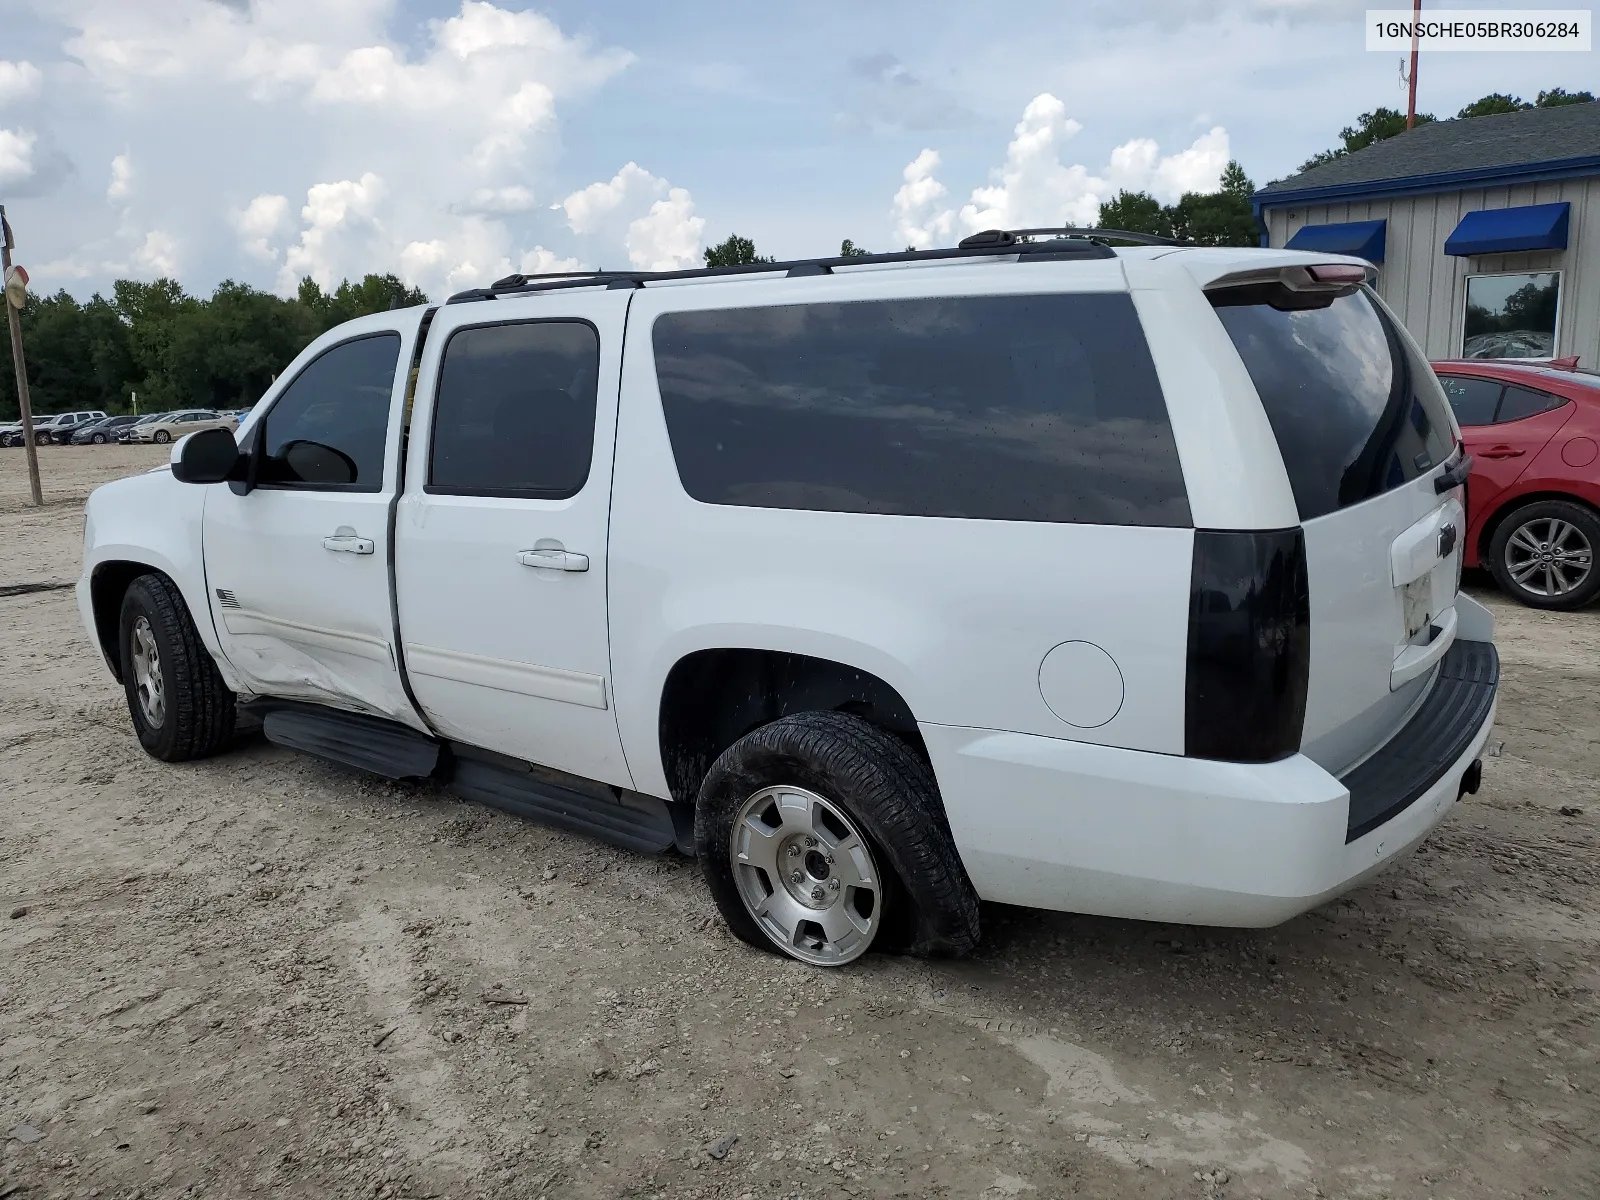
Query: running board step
[626, 819]
[372, 744]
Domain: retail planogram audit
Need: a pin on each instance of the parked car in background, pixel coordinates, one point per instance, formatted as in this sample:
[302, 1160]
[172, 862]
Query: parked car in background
[1533, 498]
[46, 429]
[125, 434]
[98, 433]
[11, 433]
[172, 426]
[60, 434]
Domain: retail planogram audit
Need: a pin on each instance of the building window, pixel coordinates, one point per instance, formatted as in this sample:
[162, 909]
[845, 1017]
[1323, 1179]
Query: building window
[1511, 316]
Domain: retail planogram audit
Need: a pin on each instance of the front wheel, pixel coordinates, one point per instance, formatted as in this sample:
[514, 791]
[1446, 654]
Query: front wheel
[1543, 554]
[821, 836]
[180, 706]
[161, 435]
[99, 439]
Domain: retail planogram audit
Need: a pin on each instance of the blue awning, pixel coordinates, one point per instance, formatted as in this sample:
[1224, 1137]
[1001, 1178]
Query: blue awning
[1363, 239]
[1507, 230]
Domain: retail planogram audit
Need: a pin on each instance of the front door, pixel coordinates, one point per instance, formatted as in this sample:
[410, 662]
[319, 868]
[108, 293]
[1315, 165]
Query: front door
[501, 534]
[297, 567]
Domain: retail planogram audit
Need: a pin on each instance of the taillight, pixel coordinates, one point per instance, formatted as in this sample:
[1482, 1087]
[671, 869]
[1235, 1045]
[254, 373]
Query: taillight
[1343, 273]
[1249, 656]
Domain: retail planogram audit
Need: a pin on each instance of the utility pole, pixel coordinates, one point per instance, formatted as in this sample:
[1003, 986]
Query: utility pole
[1411, 100]
[26, 409]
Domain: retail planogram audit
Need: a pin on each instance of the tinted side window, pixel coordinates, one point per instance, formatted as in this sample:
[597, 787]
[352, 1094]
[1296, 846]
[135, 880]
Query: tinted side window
[1474, 400]
[1011, 408]
[329, 426]
[1525, 402]
[515, 410]
[1355, 410]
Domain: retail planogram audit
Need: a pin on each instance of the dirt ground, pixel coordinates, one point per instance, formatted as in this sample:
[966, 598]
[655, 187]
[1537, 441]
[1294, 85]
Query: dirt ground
[262, 974]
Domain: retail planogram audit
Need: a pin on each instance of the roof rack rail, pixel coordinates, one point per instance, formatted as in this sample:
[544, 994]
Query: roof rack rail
[1066, 242]
[1013, 237]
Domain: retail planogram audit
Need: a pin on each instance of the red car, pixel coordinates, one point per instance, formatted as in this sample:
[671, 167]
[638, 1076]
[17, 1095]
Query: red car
[1533, 497]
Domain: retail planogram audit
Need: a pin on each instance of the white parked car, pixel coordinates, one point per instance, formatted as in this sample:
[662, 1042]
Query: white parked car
[1109, 581]
[171, 426]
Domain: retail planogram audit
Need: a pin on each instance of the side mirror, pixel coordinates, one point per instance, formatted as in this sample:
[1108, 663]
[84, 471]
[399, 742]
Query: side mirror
[210, 456]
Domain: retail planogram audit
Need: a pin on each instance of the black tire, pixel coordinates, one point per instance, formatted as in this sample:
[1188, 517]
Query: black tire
[886, 790]
[162, 436]
[198, 709]
[99, 439]
[41, 439]
[1586, 528]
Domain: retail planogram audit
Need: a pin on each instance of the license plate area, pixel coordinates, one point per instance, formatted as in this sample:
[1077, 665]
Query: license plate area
[1416, 604]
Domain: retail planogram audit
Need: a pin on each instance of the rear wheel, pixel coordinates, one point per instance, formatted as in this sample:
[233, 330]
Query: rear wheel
[1543, 554]
[821, 836]
[180, 706]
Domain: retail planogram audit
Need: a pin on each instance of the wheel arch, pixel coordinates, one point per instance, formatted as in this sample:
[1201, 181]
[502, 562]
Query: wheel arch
[108, 584]
[1504, 508]
[712, 697]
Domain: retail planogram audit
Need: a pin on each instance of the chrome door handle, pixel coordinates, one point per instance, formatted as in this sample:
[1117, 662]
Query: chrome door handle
[346, 544]
[554, 560]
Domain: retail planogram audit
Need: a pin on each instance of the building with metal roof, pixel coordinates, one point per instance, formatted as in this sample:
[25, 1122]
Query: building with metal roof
[1485, 230]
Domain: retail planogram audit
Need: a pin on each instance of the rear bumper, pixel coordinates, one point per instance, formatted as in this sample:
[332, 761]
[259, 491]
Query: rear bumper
[1075, 827]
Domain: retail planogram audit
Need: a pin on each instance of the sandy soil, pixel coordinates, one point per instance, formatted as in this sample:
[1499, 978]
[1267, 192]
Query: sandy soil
[261, 974]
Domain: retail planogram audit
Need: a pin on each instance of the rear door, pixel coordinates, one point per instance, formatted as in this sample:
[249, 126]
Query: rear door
[1364, 430]
[1524, 421]
[501, 535]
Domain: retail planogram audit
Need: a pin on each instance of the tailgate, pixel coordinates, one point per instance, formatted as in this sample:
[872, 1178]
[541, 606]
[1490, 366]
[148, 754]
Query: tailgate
[1370, 448]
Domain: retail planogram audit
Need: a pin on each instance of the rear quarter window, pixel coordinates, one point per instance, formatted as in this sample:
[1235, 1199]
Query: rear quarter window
[1356, 411]
[1012, 408]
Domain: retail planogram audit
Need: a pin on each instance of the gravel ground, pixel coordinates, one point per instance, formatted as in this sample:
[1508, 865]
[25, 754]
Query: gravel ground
[260, 973]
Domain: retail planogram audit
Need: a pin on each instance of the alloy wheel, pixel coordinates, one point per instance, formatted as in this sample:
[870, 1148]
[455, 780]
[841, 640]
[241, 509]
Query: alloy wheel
[1549, 557]
[147, 673]
[807, 875]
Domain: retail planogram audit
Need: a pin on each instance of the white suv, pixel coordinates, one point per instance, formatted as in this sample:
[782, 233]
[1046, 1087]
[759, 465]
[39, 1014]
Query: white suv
[1111, 581]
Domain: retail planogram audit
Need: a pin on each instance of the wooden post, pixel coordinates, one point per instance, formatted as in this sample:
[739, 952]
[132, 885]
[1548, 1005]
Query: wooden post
[1411, 99]
[23, 407]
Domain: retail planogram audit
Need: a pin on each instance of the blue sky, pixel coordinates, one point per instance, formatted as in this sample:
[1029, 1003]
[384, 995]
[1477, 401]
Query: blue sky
[452, 141]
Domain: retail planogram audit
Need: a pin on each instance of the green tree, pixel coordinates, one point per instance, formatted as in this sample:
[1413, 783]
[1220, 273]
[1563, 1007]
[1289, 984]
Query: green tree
[1370, 127]
[1220, 218]
[1556, 97]
[1493, 104]
[848, 249]
[177, 350]
[1136, 212]
[733, 251]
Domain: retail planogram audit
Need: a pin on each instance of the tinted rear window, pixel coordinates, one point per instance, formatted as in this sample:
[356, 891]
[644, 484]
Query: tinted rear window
[1014, 408]
[1355, 410]
[1520, 402]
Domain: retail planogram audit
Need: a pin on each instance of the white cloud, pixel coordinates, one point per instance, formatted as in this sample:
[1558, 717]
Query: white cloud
[511, 199]
[121, 178]
[16, 156]
[669, 237]
[157, 255]
[258, 221]
[339, 222]
[18, 81]
[540, 261]
[918, 219]
[1035, 188]
[654, 221]
[418, 150]
[591, 209]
